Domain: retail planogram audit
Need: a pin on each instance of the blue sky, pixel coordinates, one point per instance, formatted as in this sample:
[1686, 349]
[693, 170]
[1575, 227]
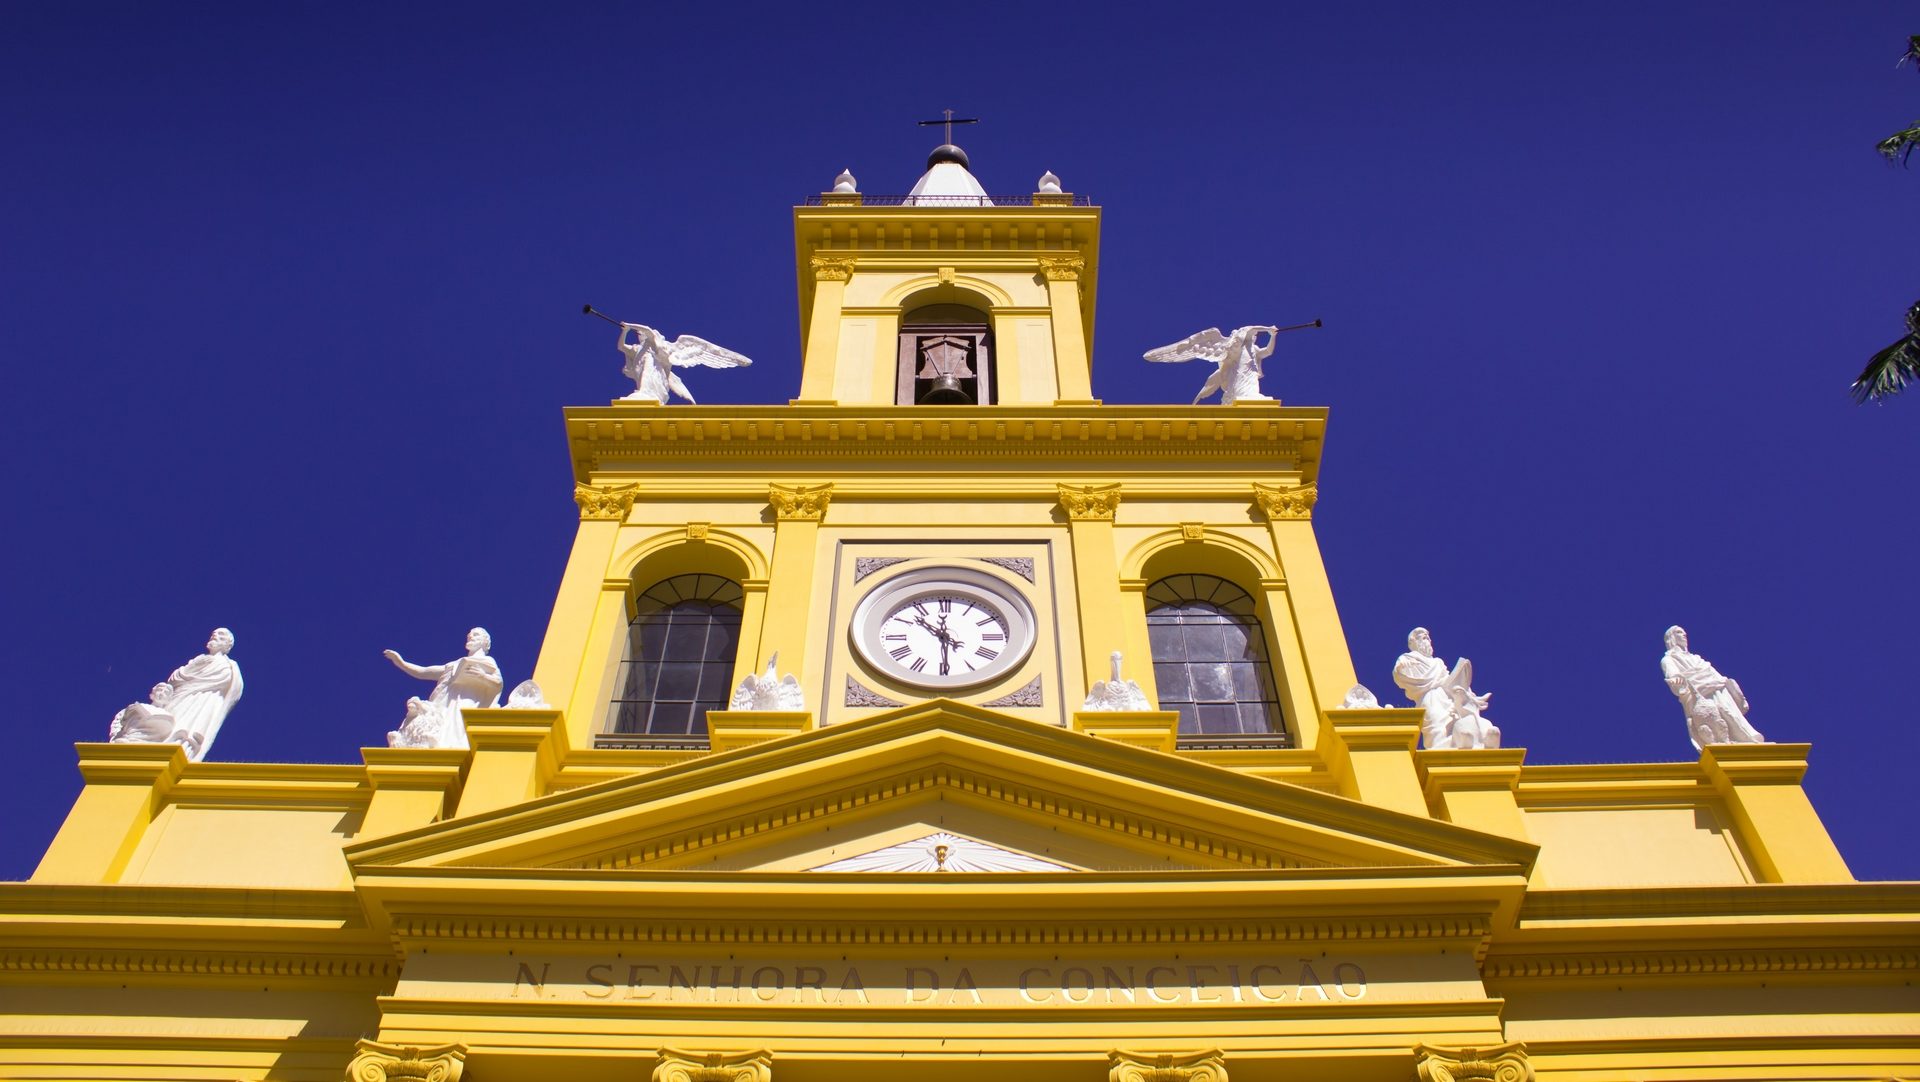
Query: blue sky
[289, 308]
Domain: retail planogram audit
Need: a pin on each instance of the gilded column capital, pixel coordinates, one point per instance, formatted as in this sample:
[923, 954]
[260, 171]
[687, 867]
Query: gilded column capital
[609, 502]
[1090, 503]
[678, 1066]
[802, 503]
[376, 1062]
[830, 269]
[1293, 502]
[1062, 268]
[1207, 1066]
[1501, 1063]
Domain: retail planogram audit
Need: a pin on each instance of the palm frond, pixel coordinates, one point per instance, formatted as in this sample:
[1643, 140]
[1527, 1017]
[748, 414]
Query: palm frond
[1912, 53]
[1900, 145]
[1894, 367]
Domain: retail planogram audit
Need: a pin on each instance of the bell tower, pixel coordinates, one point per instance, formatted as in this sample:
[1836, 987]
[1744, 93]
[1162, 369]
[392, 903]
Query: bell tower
[946, 295]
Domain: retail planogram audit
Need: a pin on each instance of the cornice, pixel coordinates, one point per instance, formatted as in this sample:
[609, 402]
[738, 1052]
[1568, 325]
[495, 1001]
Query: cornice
[968, 737]
[1264, 438]
[1642, 963]
[380, 968]
[235, 907]
[1743, 902]
[880, 925]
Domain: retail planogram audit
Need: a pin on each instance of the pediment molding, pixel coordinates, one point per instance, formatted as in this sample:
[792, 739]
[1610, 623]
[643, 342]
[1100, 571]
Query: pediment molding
[1161, 806]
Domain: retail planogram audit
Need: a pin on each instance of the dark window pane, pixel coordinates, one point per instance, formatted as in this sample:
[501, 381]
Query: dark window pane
[687, 642]
[1168, 645]
[1219, 720]
[670, 719]
[1246, 682]
[678, 680]
[1206, 643]
[1233, 639]
[1189, 716]
[715, 683]
[1256, 718]
[1211, 682]
[1173, 684]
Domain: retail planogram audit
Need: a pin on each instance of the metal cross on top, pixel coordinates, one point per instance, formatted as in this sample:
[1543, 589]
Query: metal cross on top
[950, 122]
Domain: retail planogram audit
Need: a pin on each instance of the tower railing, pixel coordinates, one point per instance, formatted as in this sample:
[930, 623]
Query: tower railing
[1032, 199]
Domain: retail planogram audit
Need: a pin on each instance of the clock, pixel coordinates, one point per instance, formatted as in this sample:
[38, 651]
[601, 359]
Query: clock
[943, 628]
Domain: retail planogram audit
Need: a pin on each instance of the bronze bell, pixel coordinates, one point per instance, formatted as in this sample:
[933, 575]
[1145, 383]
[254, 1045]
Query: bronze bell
[946, 391]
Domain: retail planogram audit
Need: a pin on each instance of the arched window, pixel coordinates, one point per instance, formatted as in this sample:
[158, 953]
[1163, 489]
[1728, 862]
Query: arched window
[946, 357]
[679, 659]
[1210, 661]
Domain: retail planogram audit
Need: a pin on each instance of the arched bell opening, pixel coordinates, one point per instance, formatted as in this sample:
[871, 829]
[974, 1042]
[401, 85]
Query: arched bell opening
[946, 356]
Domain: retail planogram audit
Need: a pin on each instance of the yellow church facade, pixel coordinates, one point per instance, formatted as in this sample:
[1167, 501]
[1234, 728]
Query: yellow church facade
[931, 860]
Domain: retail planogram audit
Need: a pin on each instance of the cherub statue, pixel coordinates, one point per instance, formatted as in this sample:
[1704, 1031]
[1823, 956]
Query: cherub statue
[1116, 693]
[424, 727]
[1238, 355]
[769, 692]
[1360, 697]
[651, 360]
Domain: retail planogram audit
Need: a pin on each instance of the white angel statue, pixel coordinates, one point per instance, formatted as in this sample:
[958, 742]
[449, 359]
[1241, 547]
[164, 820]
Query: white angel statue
[1238, 355]
[651, 360]
[1117, 693]
[769, 692]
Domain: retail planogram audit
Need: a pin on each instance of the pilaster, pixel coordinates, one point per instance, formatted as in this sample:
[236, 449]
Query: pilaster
[1370, 753]
[678, 1066]
[798, 511]
[729, 730]
[1096, 579]
[1783, 834]
[1072, 369]
[830, 277]
[1475, 787]
[1206, 1066]
[412, 787]
[1155, 730]
[515, 756]
[1501, 1063]
[376, 1062]
[1316, 621]
[126, 786]
[567, 665]
[1137, 654]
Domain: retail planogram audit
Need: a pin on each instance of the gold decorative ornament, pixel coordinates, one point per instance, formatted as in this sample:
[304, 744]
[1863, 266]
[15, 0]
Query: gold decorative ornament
[605, 502]
[678, 1066]
[1193, 531]
[1062, 268]
[376, 1062]
[1207, 1066]
[807, 503]
[697, 531]
[1293, 502]
[829, 269]
[1501, 1063]
[1086, 503]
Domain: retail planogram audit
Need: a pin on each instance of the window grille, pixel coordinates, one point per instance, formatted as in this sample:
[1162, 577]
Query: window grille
[679, 658]
[1210, 662]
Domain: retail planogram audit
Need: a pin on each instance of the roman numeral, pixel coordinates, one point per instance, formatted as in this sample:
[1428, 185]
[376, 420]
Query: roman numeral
[994, 636]
[900, 652]
[986, 622]
[919, 664]
[988, 654]
[920, 608]
[946, 604]
[902, 637]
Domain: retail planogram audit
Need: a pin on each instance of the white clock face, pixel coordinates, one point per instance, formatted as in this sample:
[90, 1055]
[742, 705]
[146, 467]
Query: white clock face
[943, 627]
[944, 634]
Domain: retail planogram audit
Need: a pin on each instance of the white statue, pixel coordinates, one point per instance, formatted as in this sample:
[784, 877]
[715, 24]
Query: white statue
[526, 695]
[1716, 707]
[1360, 697]
[768, 692]
[471, 682]
[150, 722]
[651, 360]
[424, 727]
[1238, 355]
[204, 691]
[1452, 709]
[1116, 693]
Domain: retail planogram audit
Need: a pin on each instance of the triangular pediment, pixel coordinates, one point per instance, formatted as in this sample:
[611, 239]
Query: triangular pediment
[1057, 798]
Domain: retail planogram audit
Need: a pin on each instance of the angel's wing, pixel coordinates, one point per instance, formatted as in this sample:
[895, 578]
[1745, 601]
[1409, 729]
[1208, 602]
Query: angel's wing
[690, 351]
[1208, 345]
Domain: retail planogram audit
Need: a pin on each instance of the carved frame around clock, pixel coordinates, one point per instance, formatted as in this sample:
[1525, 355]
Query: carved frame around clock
[879, 602]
